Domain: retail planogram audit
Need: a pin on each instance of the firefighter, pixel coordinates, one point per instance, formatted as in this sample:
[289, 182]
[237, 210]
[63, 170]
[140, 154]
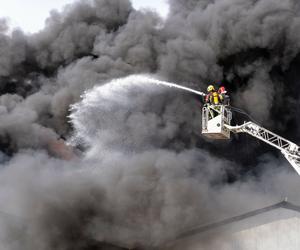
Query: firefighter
[222, 91]
[213, 97]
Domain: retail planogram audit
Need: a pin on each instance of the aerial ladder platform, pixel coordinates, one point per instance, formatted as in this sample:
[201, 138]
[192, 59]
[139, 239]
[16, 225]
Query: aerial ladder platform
[216, 124]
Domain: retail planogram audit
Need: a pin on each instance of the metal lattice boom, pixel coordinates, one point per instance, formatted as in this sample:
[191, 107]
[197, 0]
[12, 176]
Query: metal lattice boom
[290, 150]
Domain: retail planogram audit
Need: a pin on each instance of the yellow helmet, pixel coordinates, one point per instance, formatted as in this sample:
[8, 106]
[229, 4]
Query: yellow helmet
[210, 88]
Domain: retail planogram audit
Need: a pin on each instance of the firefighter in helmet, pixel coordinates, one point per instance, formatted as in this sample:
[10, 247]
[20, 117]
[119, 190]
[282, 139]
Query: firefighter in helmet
[213, 97]
[223, 92]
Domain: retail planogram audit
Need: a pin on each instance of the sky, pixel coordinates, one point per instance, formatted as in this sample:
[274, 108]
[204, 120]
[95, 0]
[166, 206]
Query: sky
[30, 15]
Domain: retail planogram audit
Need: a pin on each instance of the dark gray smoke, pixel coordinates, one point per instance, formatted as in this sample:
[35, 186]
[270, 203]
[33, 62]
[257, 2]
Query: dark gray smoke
[145, 174]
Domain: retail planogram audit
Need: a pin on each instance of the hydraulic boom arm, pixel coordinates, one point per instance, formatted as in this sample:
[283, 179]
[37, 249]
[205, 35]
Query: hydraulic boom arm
[290, 150]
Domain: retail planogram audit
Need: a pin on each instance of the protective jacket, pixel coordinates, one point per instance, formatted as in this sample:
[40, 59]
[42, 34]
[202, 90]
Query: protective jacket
[214, 98]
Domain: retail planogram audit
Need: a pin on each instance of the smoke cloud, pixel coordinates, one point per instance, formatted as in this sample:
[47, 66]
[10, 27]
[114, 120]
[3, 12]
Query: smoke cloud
[144, 174]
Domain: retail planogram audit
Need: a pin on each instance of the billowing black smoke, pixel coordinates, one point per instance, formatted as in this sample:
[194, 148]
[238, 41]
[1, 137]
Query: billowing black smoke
[146, 174]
